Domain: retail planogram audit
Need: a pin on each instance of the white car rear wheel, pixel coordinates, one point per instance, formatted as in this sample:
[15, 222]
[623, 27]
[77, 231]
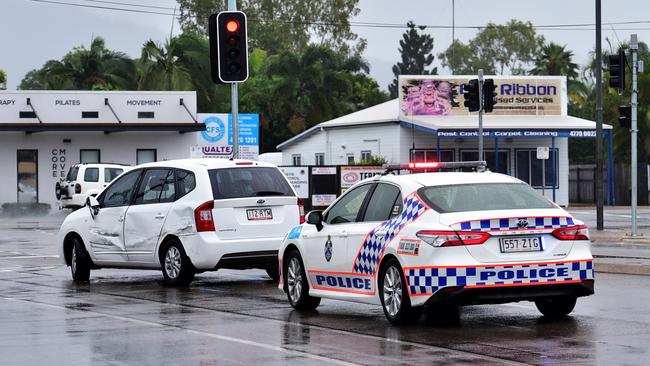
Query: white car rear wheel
[394, 295]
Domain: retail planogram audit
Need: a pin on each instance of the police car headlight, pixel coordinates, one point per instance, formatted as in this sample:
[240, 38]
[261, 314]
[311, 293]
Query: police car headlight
[452, 238]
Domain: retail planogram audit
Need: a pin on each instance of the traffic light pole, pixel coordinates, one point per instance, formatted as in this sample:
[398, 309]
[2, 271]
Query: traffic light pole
[480, 114]
[599, 122]
[234, 91]
[634, 47]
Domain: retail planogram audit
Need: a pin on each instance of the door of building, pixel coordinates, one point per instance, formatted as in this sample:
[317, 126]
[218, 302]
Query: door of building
[27, 176]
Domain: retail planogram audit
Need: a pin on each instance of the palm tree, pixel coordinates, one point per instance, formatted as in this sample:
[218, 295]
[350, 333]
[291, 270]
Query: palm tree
[86, 69]
[3, 80]
[181, 63]
[555, 60]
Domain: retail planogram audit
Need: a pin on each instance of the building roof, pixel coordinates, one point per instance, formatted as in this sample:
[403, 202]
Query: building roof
[388, 112]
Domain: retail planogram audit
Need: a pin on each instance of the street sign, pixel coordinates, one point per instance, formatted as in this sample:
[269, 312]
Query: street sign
[542, 152]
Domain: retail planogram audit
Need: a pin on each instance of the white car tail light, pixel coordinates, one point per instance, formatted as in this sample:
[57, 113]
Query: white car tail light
[301, 209]
[77, 188]
[580, 232]
[203, 217]
[453, 238]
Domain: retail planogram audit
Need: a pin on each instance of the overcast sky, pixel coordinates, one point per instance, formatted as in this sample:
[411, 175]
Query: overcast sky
[34, 32]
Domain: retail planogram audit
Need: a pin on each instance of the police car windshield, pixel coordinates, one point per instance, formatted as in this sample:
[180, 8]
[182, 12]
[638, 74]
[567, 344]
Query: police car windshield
[483, 197]
[248, 182]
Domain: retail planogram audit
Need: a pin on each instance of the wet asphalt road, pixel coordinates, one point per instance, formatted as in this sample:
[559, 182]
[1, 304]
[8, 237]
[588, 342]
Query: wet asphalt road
[239, 317]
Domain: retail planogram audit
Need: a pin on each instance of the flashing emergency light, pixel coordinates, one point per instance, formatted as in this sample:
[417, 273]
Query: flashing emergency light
[480, 165]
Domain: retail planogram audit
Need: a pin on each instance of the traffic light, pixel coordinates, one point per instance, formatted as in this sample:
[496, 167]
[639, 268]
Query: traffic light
[228, 47]
[625, 116]
[617, 70]
[489, 95]
[471, 94]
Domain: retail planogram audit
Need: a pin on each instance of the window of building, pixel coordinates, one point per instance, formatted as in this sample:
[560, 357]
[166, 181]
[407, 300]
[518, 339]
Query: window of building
[319, 159]
[490, 158]
[89, 156]
[425, 155]
[529, 169]
[27, 176]
[366, 155]
[350, 159]
[145, 156]
[296, 160]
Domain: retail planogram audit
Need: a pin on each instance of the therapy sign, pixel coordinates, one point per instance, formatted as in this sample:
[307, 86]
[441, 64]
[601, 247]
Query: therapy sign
[515, 95]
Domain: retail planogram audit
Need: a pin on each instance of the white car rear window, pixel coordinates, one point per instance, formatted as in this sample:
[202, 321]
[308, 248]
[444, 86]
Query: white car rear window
[248, 182]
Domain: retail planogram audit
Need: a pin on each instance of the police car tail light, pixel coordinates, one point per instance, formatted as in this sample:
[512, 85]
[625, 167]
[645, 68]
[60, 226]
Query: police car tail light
[580, 232]
[203, 217]
[453, 238]
[301, 209]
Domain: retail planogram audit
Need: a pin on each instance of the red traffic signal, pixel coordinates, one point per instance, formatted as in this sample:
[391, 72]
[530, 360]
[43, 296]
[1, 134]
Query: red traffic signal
[228, 47]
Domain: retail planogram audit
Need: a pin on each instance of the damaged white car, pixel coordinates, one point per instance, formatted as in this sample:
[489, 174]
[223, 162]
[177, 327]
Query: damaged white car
[184, 217]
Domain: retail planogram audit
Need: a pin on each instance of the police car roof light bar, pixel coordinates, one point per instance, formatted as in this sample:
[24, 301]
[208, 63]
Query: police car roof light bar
[480, 165]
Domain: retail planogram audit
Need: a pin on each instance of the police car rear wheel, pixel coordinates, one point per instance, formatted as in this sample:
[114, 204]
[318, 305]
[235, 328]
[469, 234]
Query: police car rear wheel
[297, 287]
[556, 307]
[394, 295]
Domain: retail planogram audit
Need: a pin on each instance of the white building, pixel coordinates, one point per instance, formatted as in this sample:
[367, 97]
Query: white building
[429, 123]
[43, 133]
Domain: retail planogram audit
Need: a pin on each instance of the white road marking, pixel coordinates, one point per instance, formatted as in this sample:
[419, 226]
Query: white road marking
[29, 256]
[197, 332]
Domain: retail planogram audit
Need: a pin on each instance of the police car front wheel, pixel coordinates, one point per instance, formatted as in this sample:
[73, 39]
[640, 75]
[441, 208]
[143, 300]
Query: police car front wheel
[394, 295]
[297, 286]
[555, 307]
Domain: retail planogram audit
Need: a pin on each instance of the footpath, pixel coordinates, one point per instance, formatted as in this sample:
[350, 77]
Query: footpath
[615, 251]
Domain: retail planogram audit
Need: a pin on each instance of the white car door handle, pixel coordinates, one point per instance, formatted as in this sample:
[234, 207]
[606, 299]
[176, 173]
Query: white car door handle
[344, 234]
[120, 219]
[380, 233]
[160, 216]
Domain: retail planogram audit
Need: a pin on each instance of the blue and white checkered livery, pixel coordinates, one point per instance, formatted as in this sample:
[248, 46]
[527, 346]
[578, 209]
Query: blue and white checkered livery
[514, 223]
[428, 280]
[373, 246]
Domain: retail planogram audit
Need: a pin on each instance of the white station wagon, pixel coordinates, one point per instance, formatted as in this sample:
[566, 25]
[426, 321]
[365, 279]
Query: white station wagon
[184, 217]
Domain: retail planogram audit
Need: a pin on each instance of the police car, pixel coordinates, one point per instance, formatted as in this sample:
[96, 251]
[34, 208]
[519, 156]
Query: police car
[443, 239]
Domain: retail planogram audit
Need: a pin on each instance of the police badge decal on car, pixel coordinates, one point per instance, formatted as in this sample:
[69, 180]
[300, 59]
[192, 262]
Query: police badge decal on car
[328, 248]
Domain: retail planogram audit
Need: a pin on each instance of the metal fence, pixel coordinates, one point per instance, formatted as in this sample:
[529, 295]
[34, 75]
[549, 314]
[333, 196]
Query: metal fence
[582, 184]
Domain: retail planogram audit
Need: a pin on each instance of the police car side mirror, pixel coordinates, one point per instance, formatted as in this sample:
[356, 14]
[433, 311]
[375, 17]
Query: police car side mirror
[315, 218]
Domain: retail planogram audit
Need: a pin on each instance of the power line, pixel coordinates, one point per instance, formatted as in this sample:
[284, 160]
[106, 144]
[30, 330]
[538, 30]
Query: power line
[129, 4]
[561, 27]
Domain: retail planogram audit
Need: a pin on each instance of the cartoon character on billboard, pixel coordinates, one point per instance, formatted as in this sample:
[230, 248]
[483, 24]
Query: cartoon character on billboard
[413, 100]
[428, 97]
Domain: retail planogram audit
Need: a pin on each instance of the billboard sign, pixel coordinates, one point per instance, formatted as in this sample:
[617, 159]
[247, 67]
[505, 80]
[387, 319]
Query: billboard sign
[216, 140]
[515, 95]
[351, 175]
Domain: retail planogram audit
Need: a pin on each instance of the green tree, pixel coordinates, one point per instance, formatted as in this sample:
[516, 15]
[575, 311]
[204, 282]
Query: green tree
[292, 92]
[415, 49]
[554, 59]
[276, 25]
[182, 63]
[85, 69]
[497, 49]
[3, 80]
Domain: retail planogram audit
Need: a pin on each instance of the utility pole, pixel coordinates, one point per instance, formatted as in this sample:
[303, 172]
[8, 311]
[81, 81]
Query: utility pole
[480, 114]
[453, 31]
[634, 47]
[234, 101]
[599, 121]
